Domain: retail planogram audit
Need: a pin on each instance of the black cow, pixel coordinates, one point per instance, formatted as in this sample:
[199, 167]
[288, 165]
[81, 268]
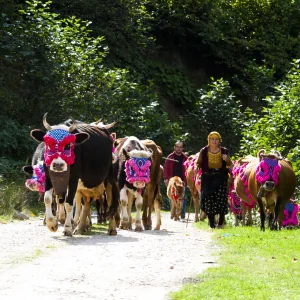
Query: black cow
[72, 152]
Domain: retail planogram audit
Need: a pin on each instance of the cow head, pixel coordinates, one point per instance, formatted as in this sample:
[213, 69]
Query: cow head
[267, 172]
[37, 180]
[178, 190]
[137, 167]
[59, 144]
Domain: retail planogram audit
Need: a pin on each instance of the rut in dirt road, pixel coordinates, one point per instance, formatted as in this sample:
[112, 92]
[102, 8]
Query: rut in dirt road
[38, 264]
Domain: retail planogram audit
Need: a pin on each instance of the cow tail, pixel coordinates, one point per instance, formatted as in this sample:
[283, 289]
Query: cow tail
[115, 199]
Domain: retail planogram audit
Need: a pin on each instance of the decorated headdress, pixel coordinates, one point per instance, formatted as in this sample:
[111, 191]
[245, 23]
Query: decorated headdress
[214, 134]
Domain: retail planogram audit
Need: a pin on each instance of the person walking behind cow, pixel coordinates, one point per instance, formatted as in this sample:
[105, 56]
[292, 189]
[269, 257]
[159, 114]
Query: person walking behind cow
[174, 167]
[214, 161]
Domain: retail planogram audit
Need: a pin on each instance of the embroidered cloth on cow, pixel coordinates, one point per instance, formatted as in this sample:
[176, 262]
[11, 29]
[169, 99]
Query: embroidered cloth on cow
[38, 178]
[268, 169]
[59, 143]
[137, 169]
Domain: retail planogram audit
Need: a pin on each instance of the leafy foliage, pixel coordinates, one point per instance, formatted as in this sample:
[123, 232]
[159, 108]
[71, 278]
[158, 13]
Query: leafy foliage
[217, 110]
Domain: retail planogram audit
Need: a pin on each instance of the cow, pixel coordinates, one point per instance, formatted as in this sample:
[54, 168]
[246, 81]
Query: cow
[72, 152]
[135, 163]
[175, 192]
[240, 201]
[152, 196]
[36, 182]
[271, 184]
[193, 178]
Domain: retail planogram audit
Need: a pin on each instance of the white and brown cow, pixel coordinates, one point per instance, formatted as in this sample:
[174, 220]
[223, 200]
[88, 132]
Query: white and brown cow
[133, 164]
[175, 192]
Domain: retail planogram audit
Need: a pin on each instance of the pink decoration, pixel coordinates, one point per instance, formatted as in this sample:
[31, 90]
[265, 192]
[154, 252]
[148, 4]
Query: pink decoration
[135, 172]
[268, 169]
[38, 179]
[290, 215]
[240, 170]
[55, 149]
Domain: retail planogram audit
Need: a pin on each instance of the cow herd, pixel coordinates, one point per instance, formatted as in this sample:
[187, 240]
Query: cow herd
[76, 163]
[266, 181]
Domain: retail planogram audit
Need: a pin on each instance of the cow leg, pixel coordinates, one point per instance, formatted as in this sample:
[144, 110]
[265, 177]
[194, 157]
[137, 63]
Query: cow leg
[51, 222]
[99, 211]
[157, 207]
[250, 220]
[178, 210]
[138, 205]
[124, 209]
[173, 208]
[68, 224]
[112, 196]
[276, 213]
[197, 206]
[244, 211]
[148, 206]
[78, 198]
[61, 216]
[84, 221]
[262, 214]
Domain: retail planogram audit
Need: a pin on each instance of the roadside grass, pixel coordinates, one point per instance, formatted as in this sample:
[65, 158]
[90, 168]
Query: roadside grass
[252, 265]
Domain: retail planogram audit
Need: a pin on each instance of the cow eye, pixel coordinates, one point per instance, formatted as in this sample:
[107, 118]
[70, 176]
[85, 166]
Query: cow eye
[68, 147]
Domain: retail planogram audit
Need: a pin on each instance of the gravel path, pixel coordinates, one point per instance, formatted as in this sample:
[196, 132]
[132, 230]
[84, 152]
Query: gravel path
[38, 264]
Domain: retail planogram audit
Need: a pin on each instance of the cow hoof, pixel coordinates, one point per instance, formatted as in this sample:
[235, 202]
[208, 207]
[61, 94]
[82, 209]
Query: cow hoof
[52, 224]
[112, 232]
[157, 227]
[124, 225]
[148, 227]
[67, 232]
[62, 221]
[138, 228]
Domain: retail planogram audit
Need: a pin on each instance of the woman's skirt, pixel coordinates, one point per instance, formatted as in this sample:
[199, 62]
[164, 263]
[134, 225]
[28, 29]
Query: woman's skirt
[214, 193]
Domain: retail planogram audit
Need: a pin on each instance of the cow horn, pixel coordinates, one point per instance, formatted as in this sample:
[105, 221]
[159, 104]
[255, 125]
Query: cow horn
[110, 125]
[261, 153]
[46, 125]
[278, 154]
[98, 121]
[73, 126]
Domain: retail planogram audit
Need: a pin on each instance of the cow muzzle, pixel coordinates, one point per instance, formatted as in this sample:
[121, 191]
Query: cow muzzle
[269, 185]
[58, 165]
[139, 184]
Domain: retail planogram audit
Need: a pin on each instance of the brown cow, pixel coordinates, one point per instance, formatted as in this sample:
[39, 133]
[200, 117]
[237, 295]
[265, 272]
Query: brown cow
[271, 184]
[194, 184]
[152, 196]
[175, 192]
[238, 189]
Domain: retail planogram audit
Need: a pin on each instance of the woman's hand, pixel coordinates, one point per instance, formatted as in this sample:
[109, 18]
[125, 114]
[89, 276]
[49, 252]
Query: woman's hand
[225, 157]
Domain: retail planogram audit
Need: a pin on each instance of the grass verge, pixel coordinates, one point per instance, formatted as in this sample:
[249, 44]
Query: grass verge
[253, 265]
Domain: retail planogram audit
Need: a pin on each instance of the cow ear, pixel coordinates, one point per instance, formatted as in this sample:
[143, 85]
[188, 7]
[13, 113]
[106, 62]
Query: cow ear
[81, 137]
[125, 153]
[37, 135]
[114, 136]
[28, 170]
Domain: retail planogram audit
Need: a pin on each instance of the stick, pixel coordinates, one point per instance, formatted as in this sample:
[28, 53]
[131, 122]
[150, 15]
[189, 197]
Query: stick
[170, 159]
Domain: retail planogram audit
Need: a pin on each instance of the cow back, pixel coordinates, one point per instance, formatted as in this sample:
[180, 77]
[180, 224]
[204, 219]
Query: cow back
[94, 157]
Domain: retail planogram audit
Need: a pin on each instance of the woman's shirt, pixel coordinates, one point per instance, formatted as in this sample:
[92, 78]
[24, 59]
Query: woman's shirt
[214, 160]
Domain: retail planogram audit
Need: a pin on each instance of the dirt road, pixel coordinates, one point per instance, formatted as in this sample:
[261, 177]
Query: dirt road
[38, 264]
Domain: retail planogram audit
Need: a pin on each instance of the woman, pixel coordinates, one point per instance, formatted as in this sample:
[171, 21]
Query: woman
[214, 161]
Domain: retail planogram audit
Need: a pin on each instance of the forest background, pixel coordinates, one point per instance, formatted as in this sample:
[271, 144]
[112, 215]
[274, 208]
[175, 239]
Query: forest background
[164, 70]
